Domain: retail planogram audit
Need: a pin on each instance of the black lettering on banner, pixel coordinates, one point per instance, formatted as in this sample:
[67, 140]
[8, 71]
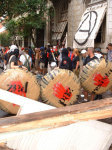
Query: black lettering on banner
[91, 26]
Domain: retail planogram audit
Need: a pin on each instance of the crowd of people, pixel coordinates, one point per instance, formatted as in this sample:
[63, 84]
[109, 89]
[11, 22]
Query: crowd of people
[45, 59]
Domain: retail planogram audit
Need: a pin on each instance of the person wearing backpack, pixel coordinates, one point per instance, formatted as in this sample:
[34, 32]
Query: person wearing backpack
[25, 60]
[13, 59]
[66, 62]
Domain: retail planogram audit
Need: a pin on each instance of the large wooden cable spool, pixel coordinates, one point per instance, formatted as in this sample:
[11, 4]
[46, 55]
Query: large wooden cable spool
[96, 76]
[19, 82]
[60, 88]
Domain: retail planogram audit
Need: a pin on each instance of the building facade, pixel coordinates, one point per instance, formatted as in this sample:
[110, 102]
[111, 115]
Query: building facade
[77, 23]
[80, 23]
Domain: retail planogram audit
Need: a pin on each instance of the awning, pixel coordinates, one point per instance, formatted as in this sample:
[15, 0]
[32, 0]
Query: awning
[57, 35]
[89, 26]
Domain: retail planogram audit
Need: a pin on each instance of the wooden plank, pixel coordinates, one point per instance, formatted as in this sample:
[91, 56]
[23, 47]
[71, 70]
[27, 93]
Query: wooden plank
[15, 99]
[57, 117]
[23, 102]
[72, 137]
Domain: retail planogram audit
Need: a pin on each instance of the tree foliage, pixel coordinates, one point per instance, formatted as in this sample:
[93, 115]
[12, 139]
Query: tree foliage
[5, 39]
[35, 11]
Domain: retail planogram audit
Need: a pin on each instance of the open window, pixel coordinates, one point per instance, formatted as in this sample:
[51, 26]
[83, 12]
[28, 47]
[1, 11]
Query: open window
[100, 38]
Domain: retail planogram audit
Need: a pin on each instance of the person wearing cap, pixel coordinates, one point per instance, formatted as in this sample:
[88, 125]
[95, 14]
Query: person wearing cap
[21, 51]
[88, 59]
[12, 48]
[66, 62]
[98, 53]
[13, 62]
[84, 55]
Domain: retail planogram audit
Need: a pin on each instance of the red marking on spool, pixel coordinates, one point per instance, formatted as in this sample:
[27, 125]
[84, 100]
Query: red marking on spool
[17, 88]
[61, 92]
[101, 81]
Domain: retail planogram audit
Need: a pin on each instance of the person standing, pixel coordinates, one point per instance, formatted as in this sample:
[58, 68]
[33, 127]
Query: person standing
[60, 51]
[76, 62]
[90, 57]
[66, 62]
[42, 60]
[37, 56]
[70, 53]
[51, 59]
[98, 53]
[109, 53]
[25, 60]
[84, 55]
[1, 62]
[13, 61]
[56, 55]
[30, 52]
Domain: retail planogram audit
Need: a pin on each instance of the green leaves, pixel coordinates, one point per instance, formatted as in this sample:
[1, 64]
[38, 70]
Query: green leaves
[5, 39]
[19, 24]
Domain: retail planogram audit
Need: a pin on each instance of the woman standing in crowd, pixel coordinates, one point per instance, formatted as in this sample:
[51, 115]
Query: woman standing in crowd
[43, 58]
[76, 62]
[37, 57]
[13, 60]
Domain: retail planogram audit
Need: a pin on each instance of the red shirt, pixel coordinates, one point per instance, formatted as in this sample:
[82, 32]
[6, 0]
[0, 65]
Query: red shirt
[71, 55]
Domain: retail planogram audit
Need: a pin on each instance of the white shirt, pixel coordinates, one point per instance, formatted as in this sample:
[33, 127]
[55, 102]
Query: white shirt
[23, 59]
[99, 56]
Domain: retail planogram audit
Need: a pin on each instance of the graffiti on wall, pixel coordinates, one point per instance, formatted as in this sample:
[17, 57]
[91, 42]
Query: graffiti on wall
[86, 27]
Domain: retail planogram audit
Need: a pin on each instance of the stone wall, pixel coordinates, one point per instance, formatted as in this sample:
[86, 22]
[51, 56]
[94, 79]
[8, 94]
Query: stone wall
[109, 21]
[108, 31]
[75, 11]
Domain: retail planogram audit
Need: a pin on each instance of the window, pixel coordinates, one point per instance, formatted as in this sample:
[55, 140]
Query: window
[96, 1]
[92, 2]
[101, 33]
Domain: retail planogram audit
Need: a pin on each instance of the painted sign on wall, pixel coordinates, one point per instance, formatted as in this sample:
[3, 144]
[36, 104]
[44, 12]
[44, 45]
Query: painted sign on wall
[89, 26]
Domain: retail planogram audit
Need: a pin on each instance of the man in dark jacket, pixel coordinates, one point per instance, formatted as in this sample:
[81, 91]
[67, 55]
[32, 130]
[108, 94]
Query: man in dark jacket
[66, 62]
[42, 60]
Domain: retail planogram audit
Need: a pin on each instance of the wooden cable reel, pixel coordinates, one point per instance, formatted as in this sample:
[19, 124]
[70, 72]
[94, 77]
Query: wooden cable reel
[19, 82]
[96, 76]
[60, 88]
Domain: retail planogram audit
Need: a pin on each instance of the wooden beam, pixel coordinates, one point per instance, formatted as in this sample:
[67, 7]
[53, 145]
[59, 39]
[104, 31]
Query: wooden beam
[57, 117]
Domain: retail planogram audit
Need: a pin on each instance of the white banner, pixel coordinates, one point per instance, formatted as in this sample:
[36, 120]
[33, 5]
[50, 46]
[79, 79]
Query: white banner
[89, 26]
